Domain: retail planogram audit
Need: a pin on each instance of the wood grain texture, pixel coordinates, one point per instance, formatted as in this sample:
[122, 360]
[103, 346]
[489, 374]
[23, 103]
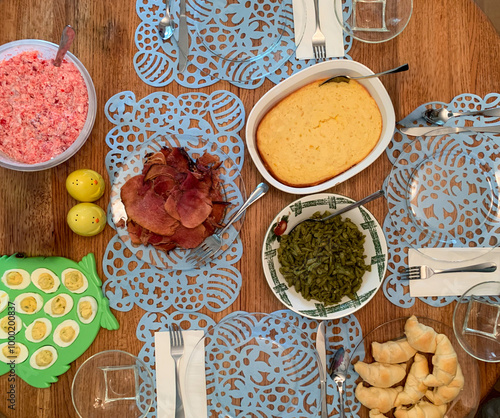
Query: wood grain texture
[451, 48]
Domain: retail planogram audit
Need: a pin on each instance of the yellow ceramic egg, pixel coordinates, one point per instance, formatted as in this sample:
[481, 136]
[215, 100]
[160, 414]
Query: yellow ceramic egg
[85, 185]
[86, 219]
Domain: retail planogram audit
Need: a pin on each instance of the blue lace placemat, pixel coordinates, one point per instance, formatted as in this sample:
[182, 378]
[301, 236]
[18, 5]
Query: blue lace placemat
[345, 331]
[156, 60]
[217, 117]
[395, 289]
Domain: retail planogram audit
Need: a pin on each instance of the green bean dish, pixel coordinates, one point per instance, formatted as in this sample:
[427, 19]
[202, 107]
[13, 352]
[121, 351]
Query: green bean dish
[324, 261]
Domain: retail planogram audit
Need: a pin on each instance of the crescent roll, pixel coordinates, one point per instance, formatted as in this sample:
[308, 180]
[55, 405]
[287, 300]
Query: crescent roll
[444, 394]
[414, 389]
[381, 375]
[420, 336]
[377, 398]
[445, 363]
[421, 410]
[398, 351]
[375, 413]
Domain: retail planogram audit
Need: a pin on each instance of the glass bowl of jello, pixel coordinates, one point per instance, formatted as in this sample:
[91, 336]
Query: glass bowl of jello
[46, 112]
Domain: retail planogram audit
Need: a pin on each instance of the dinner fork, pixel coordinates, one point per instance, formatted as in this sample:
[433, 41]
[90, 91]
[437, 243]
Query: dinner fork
[424, 272]
[318, 39]
[177, 350]
[213, 243]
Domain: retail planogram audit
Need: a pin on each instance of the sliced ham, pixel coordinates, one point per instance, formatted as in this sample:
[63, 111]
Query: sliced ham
[160, 170]
[189, 237]
[163, 185]
[193, 207]
[190, 203]
[175, 201]
[140, 235]
[146, 208]
[180, 160]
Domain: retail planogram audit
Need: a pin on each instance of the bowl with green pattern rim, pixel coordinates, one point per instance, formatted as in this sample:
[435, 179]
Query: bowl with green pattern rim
[375, 252]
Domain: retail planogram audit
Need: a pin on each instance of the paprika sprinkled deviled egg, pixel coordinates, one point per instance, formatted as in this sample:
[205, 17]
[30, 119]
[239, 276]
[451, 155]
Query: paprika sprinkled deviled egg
[85, 185]
[86, 219]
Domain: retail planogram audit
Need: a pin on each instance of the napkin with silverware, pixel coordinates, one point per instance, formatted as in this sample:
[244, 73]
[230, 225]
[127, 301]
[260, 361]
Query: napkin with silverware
[165, 375]
[451, 284]
[329, 26]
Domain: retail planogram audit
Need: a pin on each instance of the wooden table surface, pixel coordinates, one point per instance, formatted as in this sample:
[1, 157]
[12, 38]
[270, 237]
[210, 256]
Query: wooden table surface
[451, 48]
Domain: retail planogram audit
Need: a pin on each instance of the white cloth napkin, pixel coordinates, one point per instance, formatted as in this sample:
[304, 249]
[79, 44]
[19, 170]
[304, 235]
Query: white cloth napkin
[165, 376]
[451, 284]
[329, 26]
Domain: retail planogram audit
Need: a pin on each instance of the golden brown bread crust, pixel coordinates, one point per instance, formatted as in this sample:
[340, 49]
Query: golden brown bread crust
[421, 337]
[392, 351]
[317, 133]
[381, 375]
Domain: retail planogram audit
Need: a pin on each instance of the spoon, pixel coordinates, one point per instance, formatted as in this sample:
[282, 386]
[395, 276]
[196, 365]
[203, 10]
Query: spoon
[346, 78]
[338, 372]
[67, 37]
[165, 26]
[367, 199]
[443, 115]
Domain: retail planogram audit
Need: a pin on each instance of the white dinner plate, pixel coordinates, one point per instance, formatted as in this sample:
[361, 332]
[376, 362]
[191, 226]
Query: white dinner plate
[375, 251]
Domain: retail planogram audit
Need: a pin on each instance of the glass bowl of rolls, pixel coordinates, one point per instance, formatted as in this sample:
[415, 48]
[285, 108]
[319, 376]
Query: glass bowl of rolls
[305, 136]
[412, 366]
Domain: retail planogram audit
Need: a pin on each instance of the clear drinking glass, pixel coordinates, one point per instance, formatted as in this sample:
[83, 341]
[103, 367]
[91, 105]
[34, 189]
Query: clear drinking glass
[114, 384]
[476, 321]
[374, 21]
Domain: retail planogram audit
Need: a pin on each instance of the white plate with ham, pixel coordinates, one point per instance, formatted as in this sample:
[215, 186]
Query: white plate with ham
[171, 193]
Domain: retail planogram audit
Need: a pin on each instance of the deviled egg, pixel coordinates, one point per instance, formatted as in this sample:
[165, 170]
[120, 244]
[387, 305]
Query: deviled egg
[66, 332]
[16, 279]
[10, 325]
[38, 330]
[86, 309]
[59, 305]
[28, 303]
[15, 352]
[46, 280]
[74, 280]
[43, 358]
[4, 300]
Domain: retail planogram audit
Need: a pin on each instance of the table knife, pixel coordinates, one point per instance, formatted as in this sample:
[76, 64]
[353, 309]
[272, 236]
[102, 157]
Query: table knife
[321, 348]
[445, 130]
[183, 37]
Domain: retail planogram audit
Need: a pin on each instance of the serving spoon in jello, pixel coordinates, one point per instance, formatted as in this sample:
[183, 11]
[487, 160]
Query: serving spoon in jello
[346, 78]
[67, 37]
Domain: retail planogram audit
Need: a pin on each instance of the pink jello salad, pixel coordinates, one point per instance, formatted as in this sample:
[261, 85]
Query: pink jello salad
[42, 107]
